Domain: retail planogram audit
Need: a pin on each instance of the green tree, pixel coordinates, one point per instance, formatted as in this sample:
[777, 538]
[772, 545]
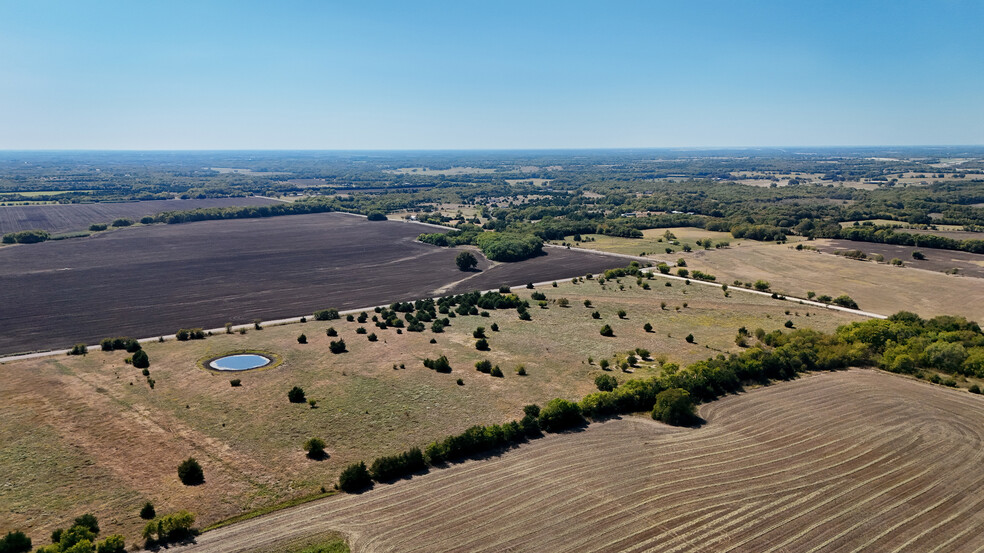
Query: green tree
[606, 382]
[15, 542]
[315, 448]
[190, 472]
[674, 406]
[354, 478]
[296, 395]
[140, 359]
[466, 261]
[606, 330]
[560, 414]
[147, 512]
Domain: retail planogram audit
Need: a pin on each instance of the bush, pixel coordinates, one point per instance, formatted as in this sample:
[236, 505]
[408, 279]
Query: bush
[494, 327]
[606, 382]
[690, 338]
[560, 414]
[326, 315]
[354, 478]
[974, 389]
[315, 448]
[845, 301]
[235, 382]
[465, 261]
[647, 327]
[26, 237]
[140, 359]
[78, 349]
[607, 331]
[497, 372]
[302, 339]
[147, 512]
[683, 272]
[189, 334]
[112, 544]
[521, 370]
[331, 332]
[674, 407]
[621, 314]
[918, 255]
[190, 472]
[337, 346]
[483, 366]
[762, 285]
[372, 337]
[174, 526]
[97, 227]
[482, 345]
[440, 364]
[388, 468]
[595, 315]
[15, 542]
[296, 395]
[376, 216]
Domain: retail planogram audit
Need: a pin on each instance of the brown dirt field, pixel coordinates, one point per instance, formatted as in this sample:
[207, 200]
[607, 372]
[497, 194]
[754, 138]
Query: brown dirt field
[877, 287]
[153, 280]
[88, 434]
[848, 461]
[969, 264]
[74, 217]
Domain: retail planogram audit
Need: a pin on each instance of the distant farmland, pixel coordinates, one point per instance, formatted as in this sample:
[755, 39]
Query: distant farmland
[56, 218]
[153, 280]
[847, 461]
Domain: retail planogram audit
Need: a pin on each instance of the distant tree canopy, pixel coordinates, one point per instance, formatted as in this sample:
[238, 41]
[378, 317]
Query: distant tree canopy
[465, 261]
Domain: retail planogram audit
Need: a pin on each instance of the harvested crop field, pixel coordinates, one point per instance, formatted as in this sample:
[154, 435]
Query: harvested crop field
[56, 218]
[970, 264]
[153, 280]
[847, 461]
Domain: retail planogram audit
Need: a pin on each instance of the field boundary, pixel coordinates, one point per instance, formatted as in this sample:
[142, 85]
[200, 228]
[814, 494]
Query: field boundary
[297, 319]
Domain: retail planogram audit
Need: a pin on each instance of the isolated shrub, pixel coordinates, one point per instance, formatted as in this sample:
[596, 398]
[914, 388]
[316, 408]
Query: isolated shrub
[372, 337]
[350, 317]
[974, 389]
[496, 372]
[337, 346]
[595, 315]
[484, 366]
[494, 327]
[606, 382]
[296, 395]
[122, 222]
[683, 272]
[762, 285]
[147, 512]
[331, 332]
[482, 345]
[647, 327]
[604, 363]
[97, 227]
[918, 255]
[621, 313]
[354, 478]
[560, 414]
[235, 382]
[607, 331]
[302, 339]
[845, 301]
[465, 261]
[690, 338]
[675, 407]
[361, 330]
[140, 359]
[15, 542]
[190, 472]
[315, 448]
[788, 324]
[587, 303]
[521, 370]
[326, 315]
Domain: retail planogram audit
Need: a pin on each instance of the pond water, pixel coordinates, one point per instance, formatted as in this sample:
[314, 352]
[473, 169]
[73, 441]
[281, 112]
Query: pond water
[241, 362]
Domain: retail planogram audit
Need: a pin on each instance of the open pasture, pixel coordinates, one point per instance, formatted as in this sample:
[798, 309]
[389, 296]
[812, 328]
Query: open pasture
[846, 461]
[153, 280]
[56, 218]
[89, 433]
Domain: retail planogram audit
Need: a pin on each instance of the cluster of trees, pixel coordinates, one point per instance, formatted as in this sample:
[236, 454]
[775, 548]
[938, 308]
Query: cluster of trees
[907, 343]
[888, 235]
[169, 528]
[26, 237]
[127, 343]
[81, 538]
[185, 334]
[497, 246]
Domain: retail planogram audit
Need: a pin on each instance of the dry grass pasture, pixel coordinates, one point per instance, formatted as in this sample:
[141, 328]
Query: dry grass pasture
[847, 461]
[89, 434]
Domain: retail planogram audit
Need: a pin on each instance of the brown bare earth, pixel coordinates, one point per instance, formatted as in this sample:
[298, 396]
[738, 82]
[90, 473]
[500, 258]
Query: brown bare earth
[57, 218]
[848, 461]
[153, 280]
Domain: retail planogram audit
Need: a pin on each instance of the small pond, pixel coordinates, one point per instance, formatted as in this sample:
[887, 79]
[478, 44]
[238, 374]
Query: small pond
[240, 362]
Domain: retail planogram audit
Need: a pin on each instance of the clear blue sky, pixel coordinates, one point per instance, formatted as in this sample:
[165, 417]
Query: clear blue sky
[466, 74]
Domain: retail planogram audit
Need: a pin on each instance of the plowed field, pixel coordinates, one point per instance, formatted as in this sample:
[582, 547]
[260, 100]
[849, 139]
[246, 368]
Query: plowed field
[153, 280]
[74, 217]
[848, 461]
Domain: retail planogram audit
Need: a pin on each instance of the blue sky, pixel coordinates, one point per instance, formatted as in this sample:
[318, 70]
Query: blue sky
[471, 75]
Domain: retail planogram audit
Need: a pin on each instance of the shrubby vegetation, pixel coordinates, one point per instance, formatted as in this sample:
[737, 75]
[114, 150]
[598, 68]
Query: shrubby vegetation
[26, 237]
[78, 538]
[170, 528]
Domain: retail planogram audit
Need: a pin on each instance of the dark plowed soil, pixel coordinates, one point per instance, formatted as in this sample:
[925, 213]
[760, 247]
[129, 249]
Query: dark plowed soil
[56, 218]
[153, 280]
[969, 264]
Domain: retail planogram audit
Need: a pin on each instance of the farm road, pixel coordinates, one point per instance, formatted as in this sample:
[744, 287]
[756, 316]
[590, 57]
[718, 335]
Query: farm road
[152, 280]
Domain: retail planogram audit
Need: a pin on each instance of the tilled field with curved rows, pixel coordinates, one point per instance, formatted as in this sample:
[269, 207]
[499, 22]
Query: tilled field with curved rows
[848, 461]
